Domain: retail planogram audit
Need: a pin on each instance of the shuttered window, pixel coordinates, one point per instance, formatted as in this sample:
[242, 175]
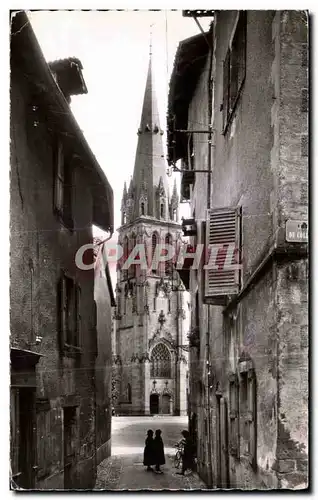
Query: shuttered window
[223, 242]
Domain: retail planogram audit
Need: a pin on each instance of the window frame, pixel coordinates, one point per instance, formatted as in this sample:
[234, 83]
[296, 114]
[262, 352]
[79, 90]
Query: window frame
[234, 64]
[249, 416]
[157, 371]
[65, 312]
[234, 397]
[63, 187]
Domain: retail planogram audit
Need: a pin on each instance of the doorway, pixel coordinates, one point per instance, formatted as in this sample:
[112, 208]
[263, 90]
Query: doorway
[222, 443]
[69, 446]
[165, 404]
[154, 404]
[23, 437]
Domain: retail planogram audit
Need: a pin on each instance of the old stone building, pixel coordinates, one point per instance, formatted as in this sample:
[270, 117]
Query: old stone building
[152, 306]
[244, 86]
[57, 192]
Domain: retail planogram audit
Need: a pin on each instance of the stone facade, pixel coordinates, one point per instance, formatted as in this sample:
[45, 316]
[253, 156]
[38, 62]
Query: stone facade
[251, 367]
[53, 386]
[152, 315]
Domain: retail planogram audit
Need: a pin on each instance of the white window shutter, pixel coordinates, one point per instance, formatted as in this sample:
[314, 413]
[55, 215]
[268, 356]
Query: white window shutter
[223, 236]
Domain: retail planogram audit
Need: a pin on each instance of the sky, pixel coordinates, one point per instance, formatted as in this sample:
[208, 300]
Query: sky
[113, 47]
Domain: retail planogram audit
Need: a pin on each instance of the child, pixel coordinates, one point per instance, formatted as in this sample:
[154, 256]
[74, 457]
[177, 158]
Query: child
[159, 451]
[149, 451]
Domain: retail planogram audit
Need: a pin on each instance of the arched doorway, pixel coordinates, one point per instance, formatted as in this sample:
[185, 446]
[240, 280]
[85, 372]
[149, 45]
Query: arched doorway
[165, 404]
[154, 404]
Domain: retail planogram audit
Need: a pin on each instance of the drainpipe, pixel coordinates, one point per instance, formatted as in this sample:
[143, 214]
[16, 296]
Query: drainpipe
[209, 192]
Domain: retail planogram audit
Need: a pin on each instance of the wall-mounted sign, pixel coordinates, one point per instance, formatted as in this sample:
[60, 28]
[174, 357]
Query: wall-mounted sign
[297, 231]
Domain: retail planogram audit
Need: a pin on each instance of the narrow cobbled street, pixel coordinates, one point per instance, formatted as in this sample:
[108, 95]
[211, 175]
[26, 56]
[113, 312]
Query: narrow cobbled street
[124, 470]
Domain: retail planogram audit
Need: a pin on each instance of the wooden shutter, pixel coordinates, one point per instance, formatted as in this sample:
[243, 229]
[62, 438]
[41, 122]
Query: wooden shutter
[15, 432]
[252, 413]
[234, 414]
[224, 443]
[223, 233]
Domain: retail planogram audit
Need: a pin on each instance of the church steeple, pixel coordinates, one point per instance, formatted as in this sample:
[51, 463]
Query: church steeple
[150, 166]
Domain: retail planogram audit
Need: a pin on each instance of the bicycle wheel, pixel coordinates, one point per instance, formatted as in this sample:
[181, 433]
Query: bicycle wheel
[177, 460]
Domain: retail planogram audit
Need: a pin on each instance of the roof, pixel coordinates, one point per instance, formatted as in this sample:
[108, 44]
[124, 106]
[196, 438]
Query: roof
[188, 64]
[27, 57]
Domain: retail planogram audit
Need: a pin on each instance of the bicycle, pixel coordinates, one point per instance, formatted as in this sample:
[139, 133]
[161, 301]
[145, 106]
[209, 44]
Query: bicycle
[178, 455]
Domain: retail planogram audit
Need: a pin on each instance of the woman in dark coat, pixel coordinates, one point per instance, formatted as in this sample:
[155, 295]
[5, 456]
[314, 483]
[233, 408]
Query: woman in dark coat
[159, 451]
[149, 458]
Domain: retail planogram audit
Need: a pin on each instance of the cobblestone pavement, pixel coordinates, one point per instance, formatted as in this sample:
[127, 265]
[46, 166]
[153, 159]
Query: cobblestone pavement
[126, 472]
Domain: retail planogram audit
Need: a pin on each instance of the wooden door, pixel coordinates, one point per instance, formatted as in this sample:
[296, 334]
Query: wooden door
[165, 404]
[23, 437]
[224, 444]
[70, 431]
[154, 404]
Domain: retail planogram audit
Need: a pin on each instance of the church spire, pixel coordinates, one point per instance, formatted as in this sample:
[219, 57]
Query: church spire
[150, 163]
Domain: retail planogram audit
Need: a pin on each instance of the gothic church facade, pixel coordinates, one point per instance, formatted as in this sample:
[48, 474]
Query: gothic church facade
[152, 316]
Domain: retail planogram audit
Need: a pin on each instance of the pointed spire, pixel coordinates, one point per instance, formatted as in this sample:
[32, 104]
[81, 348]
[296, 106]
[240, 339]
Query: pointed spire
[175, 192]
[131, 188]
[124, 197]
[150, 162]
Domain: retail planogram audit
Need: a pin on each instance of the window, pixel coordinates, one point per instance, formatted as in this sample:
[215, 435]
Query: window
[125, 257]
[234, 420]
[161, 210]
[128, 393]
[124, 218]
[70, 313]
[247, 407]
[168, 263]
[234, 70]
[154, 242]
[142, 208]
[63, 188]
[160, 362]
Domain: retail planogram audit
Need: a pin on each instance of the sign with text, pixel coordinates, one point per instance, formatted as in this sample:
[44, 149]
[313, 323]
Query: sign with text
[297, 231]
